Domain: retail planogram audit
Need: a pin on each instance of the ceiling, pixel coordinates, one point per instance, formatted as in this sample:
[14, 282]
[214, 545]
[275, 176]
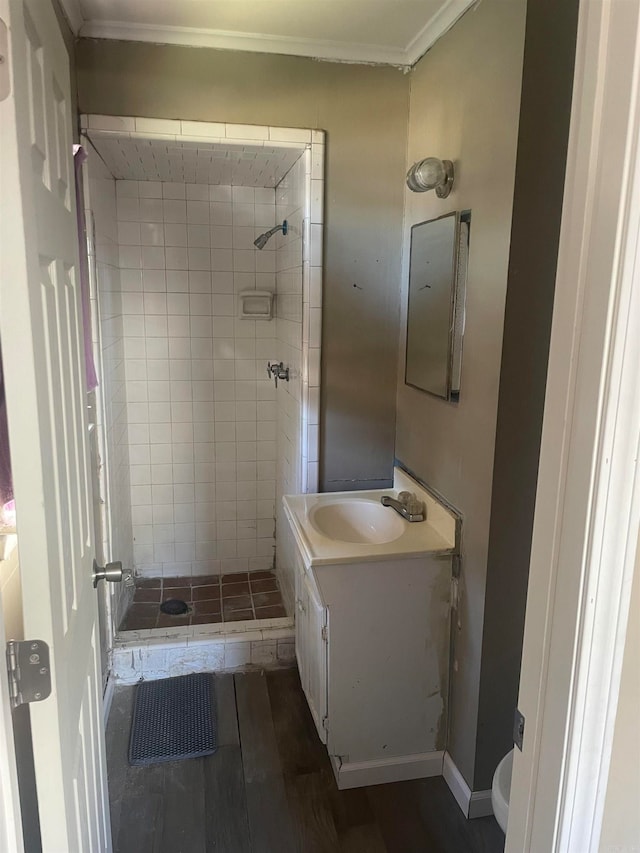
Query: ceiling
[193, 162]
[395, 32]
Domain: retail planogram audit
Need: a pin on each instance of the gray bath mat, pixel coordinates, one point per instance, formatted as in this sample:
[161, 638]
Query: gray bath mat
[173, 718]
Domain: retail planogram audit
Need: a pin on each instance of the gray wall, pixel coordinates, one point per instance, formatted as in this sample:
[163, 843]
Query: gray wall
[543, 135]
[465, 99]
[364, 111]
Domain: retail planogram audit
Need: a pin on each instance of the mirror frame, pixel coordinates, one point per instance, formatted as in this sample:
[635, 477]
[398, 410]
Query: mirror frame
[457, 298]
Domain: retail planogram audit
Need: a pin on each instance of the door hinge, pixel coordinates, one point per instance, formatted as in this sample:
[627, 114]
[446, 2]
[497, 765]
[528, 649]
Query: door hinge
[325, 633]
[28, 671]
[325, 723]
[5, 74]
[518, 729]
[455, 593]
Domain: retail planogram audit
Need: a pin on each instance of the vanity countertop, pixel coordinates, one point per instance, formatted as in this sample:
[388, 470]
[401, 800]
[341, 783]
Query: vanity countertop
[436, 535]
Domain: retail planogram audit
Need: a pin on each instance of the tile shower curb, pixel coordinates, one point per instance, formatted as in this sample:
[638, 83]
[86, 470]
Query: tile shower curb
[144, 655]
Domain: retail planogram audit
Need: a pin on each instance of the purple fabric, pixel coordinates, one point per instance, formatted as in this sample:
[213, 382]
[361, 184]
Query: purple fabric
[6, 480]
[79, 156]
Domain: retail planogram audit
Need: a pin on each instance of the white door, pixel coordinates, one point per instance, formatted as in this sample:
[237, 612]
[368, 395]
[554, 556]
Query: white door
[41, 337]
[11, 838]
[585, 535]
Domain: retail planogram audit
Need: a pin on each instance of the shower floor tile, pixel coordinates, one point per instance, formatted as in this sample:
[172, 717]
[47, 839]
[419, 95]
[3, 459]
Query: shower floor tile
[211, 599]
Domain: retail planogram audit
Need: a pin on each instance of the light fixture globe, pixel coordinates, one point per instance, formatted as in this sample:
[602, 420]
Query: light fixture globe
[431, 174]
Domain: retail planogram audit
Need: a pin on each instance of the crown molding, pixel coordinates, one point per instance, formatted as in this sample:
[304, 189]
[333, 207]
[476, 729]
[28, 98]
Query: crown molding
[73, 14]
[333, 51]
[252, 42]
[450, 12]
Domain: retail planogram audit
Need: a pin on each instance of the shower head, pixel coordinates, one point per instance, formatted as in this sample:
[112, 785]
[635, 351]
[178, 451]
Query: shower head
[261, 241]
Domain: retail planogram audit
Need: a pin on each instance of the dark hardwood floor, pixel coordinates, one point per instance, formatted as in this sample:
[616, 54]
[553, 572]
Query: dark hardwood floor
[270, 789]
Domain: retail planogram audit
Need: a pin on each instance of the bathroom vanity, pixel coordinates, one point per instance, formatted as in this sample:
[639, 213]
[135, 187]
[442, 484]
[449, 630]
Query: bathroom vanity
[372, 597]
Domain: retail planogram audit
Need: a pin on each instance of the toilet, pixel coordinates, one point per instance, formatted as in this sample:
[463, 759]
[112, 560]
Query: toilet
[501, 789]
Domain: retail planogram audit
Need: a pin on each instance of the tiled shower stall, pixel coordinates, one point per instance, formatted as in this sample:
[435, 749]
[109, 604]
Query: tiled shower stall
[196, 443]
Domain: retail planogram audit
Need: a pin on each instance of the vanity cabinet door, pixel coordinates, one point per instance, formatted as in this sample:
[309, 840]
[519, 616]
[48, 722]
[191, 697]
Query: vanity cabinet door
[300, 624]
[311, 649]
[316, 663]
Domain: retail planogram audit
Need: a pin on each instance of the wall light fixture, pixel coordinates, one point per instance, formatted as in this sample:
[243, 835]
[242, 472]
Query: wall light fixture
[431, 174]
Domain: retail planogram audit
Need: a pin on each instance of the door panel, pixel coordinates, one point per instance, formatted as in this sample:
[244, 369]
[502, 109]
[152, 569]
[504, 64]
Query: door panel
[41, 334]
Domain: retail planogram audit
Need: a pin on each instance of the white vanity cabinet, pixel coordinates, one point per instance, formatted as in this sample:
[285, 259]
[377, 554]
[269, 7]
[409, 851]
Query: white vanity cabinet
[372, 634]
[372, 650]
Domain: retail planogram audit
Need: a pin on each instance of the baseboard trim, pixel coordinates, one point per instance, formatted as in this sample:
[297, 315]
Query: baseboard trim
[472, 803]
[359, 774]
[480, 804]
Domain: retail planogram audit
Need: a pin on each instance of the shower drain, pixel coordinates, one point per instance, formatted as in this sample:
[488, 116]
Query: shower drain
[174, 607]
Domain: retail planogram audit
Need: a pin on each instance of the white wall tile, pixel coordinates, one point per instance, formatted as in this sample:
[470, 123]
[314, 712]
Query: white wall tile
[130, 257]
[199, 235]
[247, 131]
[198, 212]
[125, 188]
[219, 193]
[119, 123]
[128, 209]
[154, 280]
[220, 213]
[149, 189]
[199, 258]
[157, 125]
[176, 258]
[153, 258]
[150, 210]
[203, 128]
[129, 233]
[174, 210]
[195, 373]
[285, 134]
[177, 281]
[175, 234]
[151, 233]
[197, 192]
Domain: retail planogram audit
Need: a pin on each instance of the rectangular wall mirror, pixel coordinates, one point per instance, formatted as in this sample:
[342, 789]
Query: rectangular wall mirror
[435, 316]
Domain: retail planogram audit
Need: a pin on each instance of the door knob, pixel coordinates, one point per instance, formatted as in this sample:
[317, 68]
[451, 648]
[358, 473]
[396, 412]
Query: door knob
[112, 573]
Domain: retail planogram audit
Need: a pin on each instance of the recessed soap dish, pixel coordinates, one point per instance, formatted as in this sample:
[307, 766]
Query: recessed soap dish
[255, 305]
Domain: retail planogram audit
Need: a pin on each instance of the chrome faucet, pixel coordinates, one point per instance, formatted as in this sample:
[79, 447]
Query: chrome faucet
[407, 505]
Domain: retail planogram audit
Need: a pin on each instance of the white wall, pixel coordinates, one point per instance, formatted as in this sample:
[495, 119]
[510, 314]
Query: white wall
[290, 205]
[201, 410]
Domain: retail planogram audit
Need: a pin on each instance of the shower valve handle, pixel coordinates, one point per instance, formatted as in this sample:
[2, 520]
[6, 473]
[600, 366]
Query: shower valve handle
[278, 371]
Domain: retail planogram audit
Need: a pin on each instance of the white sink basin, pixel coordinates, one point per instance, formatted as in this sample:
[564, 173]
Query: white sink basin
[357, 521]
